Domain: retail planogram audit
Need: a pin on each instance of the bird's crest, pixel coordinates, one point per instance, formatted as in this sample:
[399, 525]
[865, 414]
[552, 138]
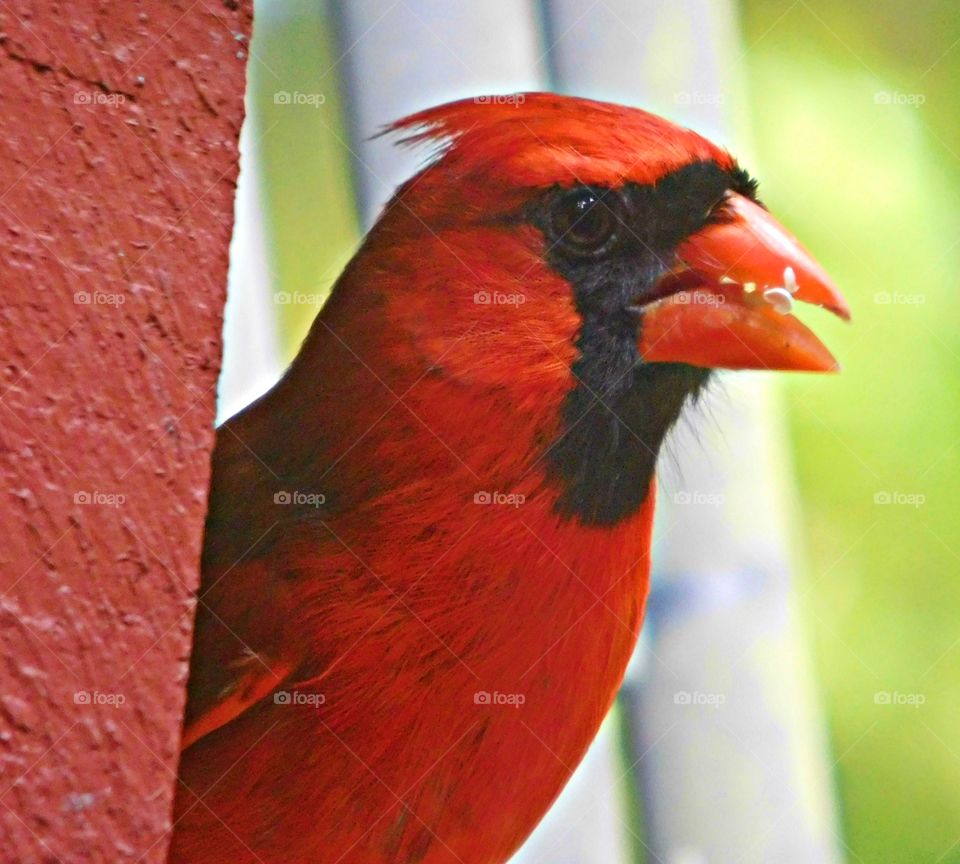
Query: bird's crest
[538, 139]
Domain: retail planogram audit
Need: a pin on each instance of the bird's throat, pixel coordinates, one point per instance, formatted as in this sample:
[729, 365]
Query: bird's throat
[614, 421]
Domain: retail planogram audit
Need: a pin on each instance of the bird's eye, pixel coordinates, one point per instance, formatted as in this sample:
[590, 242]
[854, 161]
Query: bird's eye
[720, 211]
[585, 222]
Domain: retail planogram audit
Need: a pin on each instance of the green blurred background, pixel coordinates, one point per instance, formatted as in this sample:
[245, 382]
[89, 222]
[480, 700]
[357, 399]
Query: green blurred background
[856, 126]
[854, 117]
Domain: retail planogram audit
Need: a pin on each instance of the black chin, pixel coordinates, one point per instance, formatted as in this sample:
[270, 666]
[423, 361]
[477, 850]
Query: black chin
[615, 419]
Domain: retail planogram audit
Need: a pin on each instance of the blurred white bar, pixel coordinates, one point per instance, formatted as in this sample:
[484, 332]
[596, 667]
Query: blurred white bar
[401, 57]
[730, 745]
[735, 765]
[251, 355]
[589, 824]
[672, 58]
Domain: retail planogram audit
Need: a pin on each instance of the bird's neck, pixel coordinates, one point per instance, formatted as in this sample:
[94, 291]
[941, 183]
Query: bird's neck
[605, 458]
[373, 417]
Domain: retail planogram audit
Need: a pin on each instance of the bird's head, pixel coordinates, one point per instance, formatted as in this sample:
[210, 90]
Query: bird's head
[596, 262]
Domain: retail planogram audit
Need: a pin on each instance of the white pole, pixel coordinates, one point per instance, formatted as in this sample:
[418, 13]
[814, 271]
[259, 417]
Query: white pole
[400, 57]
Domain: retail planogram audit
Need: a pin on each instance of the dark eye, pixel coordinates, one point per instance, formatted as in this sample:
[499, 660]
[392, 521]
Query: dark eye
[720, 211]
[585, 222]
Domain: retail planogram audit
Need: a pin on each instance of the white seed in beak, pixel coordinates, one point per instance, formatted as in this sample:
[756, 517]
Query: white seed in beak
[780, 298]
[790, 280]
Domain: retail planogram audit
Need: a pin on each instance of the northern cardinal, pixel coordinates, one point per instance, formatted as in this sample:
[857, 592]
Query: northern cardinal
[427, 549]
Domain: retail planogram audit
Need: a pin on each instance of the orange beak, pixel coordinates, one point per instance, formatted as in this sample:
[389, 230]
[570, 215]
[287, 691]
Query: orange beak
[728, 304]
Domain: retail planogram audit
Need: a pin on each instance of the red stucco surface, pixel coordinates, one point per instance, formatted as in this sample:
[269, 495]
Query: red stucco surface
[118, 160]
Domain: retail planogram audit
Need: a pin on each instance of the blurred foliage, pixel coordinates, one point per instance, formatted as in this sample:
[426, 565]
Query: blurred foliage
[857, 129]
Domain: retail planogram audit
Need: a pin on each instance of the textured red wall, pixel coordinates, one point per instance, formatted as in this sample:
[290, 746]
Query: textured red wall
[118, 161]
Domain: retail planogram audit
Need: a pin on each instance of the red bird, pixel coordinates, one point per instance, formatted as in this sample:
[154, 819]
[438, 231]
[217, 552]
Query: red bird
[428, 545]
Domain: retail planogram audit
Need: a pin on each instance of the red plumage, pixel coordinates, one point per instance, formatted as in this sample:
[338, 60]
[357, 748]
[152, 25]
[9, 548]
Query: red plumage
[386, 609]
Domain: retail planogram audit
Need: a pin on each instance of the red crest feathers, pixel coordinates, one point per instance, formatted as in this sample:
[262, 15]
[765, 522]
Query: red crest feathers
[541, 139]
